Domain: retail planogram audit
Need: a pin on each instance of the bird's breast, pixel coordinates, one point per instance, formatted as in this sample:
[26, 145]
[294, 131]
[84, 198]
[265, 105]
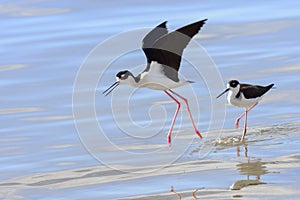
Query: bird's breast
[158, 81]
[241, 101]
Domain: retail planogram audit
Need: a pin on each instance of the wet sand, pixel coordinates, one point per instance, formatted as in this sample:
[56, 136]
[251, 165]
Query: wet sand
[252, 169]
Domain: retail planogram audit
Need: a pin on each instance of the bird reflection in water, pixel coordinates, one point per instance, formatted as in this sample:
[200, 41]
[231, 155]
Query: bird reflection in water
[238, 150]
[253, 167]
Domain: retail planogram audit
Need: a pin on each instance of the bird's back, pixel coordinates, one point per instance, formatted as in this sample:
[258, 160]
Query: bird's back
[248, 95]
[254, 91]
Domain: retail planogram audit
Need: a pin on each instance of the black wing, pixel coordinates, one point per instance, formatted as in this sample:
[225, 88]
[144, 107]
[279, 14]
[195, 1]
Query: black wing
[254, 91]
[150, 39]
[171, 45]
[168, 49]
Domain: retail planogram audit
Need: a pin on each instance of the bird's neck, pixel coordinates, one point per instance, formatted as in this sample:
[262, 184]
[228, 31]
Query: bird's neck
[234, 94]
[133, 81]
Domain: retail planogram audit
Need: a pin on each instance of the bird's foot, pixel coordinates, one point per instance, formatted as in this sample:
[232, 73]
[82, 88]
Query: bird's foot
[242, 139]
[198, 133]
[169, 140]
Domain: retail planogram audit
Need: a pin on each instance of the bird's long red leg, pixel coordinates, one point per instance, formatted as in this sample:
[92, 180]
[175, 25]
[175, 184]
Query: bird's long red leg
[174, 118]
[238, 119]
[242, 115]
[245, 124]
[190, 114]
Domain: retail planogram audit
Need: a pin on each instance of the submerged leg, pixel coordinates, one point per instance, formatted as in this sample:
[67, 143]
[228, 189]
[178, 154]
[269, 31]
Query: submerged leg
[190, 114]
[174, 118]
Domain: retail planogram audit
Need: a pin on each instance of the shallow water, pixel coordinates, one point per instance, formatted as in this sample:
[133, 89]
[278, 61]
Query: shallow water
[46, 155]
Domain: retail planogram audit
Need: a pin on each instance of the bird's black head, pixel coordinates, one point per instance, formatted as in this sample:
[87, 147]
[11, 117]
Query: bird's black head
[233, 83]
[126, 77]
[122, 75]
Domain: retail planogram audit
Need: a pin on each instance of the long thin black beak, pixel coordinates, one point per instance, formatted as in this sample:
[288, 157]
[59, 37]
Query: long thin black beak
[223, 92]
[111, 88]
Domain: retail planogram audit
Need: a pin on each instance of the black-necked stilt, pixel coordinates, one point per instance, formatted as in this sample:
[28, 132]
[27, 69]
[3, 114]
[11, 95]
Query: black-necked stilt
[246, 96]
[163, 51]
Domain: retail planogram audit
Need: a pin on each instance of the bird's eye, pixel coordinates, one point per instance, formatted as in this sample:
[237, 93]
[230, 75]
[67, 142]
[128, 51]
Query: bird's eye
[233, 83]
[122, 75]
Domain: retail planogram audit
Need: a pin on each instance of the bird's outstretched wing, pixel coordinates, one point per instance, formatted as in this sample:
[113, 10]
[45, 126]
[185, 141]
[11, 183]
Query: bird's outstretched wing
[168, 49]
[150, 39]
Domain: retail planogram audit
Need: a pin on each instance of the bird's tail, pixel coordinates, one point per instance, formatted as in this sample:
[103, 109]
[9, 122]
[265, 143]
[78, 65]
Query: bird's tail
[271, 86]
[190, 81]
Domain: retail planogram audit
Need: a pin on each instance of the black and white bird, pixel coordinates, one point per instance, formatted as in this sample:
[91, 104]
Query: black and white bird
[246, 96]
[163, 51]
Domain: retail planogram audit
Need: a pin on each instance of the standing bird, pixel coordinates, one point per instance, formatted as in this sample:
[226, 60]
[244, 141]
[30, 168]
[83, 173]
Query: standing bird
[246, 96]
[163, 51]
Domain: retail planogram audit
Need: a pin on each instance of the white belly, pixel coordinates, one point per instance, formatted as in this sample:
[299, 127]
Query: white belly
[241, 101]
[159, 82]
[155, 79]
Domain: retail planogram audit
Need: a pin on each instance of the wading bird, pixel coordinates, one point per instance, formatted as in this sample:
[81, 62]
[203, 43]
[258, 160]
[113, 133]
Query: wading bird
[246, 96]
[163, 51]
